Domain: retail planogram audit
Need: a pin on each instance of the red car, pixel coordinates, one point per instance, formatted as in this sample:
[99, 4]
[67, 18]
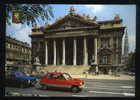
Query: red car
[60, 80]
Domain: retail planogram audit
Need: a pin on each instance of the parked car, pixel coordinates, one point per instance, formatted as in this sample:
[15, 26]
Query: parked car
[18, 79]
[59, 80]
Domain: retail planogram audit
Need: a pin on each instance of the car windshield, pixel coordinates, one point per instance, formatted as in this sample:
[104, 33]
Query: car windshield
[67, 76]
[19, 74]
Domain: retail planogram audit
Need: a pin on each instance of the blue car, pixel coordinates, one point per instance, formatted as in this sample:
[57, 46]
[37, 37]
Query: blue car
[19, 79]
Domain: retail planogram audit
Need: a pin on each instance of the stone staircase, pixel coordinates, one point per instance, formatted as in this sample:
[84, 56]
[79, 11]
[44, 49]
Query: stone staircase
[68, 69]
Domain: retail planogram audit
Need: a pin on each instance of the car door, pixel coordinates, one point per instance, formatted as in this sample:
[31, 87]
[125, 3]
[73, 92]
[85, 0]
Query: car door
[48, 80]
[60, 82]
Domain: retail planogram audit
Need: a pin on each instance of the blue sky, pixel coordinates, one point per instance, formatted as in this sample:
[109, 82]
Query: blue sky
[103, 12]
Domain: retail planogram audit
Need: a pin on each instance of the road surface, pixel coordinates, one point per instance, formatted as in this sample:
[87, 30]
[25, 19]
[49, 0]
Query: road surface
[94, 88]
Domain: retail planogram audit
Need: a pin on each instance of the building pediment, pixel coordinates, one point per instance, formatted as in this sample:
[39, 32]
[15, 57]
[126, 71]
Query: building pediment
[70, 22]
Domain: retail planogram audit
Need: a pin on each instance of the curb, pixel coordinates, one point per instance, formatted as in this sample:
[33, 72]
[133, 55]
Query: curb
[105, 77]
[19, 94]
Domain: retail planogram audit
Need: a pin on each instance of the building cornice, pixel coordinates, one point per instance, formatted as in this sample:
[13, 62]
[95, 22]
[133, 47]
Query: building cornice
[72, 29]
[13, 40]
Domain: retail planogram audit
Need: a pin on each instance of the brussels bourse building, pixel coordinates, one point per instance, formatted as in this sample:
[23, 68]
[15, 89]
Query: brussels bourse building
[76, 39]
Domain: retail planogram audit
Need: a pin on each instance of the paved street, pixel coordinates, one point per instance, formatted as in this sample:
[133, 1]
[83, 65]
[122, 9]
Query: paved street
[95, 88]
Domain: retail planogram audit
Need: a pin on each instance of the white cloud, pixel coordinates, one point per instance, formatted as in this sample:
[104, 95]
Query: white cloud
[23, 34]
[10, 29]
[20, 32]
[95, 8]
[16, 26]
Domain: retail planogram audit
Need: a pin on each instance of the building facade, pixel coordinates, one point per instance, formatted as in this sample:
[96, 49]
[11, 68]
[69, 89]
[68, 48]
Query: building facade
[76, 39]
[17, 52]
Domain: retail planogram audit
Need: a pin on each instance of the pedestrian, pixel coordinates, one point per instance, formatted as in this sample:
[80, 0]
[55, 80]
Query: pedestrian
[92, 62]
[92, 66]
[96, 72]
[86, 74]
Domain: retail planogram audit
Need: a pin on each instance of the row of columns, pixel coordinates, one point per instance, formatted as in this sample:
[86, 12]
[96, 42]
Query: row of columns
[85, 60]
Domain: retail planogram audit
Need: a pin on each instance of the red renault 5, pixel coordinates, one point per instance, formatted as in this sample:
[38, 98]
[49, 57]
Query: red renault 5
[60, 80]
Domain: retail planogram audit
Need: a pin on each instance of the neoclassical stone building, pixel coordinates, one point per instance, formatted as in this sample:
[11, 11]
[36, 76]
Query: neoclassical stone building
[75, 39]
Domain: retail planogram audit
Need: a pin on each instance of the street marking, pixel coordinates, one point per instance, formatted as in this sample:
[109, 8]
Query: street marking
[128, 87]
[79, 96]
[104, 88]
[107, 88]
[43, 95]
[129, 94]
[125, 94]
[105, 92]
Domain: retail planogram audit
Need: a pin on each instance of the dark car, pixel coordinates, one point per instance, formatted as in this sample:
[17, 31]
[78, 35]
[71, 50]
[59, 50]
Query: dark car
[18, 79]
[59, 80]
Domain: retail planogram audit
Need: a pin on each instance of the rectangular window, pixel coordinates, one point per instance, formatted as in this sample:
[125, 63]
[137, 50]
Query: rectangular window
[104, 61]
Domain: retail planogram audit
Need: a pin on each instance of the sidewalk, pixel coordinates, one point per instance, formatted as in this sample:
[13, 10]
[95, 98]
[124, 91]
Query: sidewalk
[120, 77]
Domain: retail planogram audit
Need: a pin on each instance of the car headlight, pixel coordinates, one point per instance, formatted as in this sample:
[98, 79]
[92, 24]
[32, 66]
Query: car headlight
[81, 83]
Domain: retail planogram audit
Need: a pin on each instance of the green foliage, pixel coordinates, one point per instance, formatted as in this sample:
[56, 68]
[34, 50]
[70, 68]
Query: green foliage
[91, 69]
[30, 13]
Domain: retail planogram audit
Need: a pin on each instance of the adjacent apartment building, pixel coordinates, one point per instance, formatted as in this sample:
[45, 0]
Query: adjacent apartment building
[17, 52]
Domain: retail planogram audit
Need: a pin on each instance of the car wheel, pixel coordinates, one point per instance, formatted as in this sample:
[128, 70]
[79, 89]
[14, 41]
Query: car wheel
[75, 89]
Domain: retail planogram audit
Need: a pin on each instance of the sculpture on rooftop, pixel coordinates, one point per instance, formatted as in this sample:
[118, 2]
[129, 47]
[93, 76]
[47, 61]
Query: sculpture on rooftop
[95, 18]
[117, 17]
[72, 10]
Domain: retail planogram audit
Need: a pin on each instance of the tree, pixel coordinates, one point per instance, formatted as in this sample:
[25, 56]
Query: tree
[29, 13]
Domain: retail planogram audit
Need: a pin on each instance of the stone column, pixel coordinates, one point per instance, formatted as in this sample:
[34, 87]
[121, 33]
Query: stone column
[95, 50]
[63, 57]
[111, 42]
[75, 51]
[54, 46]
[46, 53]
[116, 59]
[117, 43]
[85, 52]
